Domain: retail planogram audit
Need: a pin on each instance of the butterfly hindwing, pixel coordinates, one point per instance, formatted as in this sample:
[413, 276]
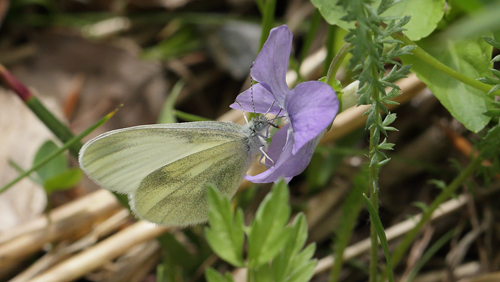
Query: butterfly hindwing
[176, 193]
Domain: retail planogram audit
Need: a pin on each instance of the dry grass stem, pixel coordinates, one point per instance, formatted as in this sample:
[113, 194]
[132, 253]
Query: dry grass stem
[104, 251]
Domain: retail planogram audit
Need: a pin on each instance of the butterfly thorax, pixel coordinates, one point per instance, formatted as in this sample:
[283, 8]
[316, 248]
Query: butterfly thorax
[257, 133]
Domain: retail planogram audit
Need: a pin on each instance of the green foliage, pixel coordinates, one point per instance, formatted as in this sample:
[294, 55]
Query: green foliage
[55, 175]
[167, 114]
[275, 251]
[469, 57]
[184, 41]
[268, 234]
[425, 14]
[225, 233]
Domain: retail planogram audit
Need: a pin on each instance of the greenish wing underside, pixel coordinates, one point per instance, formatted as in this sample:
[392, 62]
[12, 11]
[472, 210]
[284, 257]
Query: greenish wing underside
[176, 193]
[119, 160]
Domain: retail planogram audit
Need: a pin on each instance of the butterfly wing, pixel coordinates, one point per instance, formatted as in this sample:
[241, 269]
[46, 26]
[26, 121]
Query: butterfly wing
[120, 159]
[176, 193]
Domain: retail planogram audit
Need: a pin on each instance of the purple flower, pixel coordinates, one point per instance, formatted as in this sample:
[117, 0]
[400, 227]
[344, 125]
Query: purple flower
[310, 108]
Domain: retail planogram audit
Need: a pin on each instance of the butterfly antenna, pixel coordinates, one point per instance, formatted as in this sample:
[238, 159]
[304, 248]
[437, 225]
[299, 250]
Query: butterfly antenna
[251, 89]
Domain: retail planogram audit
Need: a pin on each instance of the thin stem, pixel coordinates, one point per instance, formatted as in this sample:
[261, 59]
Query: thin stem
[336, 63]
[427, 58]
[373, 178]
[330, 48]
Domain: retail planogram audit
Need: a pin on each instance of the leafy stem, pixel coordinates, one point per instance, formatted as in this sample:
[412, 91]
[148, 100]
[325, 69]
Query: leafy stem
[427, 58]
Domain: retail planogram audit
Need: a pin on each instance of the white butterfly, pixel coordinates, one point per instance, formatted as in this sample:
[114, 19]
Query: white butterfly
[165, 168]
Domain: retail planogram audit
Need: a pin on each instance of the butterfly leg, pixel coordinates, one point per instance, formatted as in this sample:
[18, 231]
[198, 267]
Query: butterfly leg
[264, 156]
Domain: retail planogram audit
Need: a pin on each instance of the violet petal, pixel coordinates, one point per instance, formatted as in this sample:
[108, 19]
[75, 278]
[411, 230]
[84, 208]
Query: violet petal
[288, 164]
[271, 64]
[311, 109]
[262, 99]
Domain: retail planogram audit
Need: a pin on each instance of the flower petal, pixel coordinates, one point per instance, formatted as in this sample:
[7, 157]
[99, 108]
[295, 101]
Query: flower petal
[288, 164]
[272, 62]
[262, 99]
[311, 109]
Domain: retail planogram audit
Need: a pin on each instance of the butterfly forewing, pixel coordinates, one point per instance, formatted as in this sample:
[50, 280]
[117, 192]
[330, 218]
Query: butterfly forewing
[119, 160]
[176, 193]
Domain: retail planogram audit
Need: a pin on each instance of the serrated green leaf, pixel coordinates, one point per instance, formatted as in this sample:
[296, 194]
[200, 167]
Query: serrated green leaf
[469, 57]
[225, 232]
[56, 166]
[267, 233]
[213, 275]
[63, 181]
[283, 263]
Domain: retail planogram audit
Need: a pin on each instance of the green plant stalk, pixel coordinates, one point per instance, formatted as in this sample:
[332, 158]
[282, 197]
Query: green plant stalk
[330, 48]
[427, 58]
[66, 146]
[381, 234]
[336, 63]
[267, 21]
[373, 178]
[60, 130]
[443, 196]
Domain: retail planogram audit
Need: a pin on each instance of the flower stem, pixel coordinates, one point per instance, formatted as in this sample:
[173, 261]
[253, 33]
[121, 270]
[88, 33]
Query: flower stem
[336, 63]
[427, 58]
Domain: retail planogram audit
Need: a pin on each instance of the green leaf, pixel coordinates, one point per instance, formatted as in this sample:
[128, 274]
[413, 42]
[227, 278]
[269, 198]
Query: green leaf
[56, 166]
[63, 181]
[332, 13]
[471, 58]
[167, 114]
[263, 273]
[267, 234]
[225, 234]
[283, 263]
[425, 16]
[303, 266]
[59, 151]
[213, 275]
[381, 235]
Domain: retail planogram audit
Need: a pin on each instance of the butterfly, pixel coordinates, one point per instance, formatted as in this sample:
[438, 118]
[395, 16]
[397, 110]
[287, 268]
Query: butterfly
[165, 168]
